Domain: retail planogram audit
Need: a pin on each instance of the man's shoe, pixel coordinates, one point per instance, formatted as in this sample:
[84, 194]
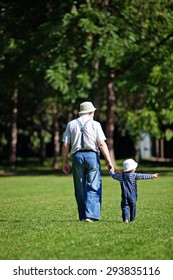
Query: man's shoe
[89, 220]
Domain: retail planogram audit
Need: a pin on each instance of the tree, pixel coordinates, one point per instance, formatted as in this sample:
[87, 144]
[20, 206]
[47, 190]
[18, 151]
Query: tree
[115, 53]
[26, 53]
[104, 46]
[149, 75]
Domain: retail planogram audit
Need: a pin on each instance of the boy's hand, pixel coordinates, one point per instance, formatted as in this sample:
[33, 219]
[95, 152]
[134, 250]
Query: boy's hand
[155, 175]
[111, 171]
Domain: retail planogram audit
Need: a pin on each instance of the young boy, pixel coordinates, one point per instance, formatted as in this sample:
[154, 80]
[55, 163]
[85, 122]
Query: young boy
[128, 183]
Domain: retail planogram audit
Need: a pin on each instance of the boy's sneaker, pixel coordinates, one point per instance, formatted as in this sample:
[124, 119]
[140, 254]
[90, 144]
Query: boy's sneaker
[126, 221]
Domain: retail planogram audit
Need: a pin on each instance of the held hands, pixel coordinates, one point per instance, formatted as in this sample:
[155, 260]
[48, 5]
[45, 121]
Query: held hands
[155, 176]
[110, 166]
[66, 168]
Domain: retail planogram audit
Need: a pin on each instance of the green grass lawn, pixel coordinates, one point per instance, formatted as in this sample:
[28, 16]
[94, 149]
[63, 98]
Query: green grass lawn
[38, 221]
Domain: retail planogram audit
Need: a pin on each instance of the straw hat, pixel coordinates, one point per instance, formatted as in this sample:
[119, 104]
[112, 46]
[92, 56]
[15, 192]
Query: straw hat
[86, 107]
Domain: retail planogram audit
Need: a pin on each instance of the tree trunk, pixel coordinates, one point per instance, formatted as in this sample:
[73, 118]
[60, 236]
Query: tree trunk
[55, 137]
[13, 144]
[157, 148]
[137, 151]
[162, 149]
[42, 145]
[110, 126]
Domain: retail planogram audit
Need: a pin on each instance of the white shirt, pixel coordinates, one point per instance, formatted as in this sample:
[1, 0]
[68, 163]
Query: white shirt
[92, 134]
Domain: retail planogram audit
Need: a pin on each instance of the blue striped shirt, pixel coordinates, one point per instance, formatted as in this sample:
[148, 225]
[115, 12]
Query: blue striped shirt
[128, 180]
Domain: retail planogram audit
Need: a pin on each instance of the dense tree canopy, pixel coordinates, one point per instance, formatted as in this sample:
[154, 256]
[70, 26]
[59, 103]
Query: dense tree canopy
[55, 54]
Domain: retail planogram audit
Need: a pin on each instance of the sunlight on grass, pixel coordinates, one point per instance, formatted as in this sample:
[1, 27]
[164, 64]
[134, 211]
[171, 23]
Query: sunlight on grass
[39, 221]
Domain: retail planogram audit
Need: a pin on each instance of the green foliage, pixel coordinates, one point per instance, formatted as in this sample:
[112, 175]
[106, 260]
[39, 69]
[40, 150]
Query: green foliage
[142, 120]
[35, 139]
[72, 51]
[168, 134]
[84, 80]
[57, 77]
[39, 221]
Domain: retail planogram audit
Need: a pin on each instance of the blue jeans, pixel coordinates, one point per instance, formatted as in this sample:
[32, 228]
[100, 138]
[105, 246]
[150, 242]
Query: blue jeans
[128, 206]
[87, 184]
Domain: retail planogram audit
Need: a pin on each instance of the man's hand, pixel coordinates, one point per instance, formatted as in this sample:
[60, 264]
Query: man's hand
[110, 166]
[66, 168]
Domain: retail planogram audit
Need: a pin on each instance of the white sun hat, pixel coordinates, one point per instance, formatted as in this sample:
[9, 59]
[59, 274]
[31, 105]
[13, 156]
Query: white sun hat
[86, 107]
[129, 164]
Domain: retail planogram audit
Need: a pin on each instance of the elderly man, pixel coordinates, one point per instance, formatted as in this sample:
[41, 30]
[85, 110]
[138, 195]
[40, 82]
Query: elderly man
[86, 139]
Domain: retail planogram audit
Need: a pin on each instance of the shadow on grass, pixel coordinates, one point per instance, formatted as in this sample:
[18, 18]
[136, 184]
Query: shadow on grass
[30, 173]
[60, 173]
[32, 167]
